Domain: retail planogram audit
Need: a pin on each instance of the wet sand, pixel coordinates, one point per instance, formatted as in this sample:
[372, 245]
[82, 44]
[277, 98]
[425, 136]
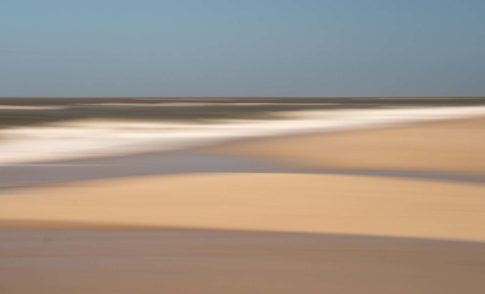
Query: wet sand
[58, 262]
[18, 176]
[452, 146]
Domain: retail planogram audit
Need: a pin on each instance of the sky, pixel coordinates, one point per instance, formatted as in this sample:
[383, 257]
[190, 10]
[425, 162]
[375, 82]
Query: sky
[192, 48]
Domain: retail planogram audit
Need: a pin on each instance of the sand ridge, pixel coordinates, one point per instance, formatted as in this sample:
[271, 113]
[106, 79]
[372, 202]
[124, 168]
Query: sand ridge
[264, 202]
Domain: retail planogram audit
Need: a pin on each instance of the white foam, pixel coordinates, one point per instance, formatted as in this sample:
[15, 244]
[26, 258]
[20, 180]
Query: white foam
[87, 138]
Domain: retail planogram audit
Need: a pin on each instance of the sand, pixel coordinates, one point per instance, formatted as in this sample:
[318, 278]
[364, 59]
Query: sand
[260, 202]
[59, 262]
[263, 233]
[451, 146]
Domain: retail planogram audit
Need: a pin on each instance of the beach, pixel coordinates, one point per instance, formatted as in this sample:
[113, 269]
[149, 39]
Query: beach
[382, 209]
[86, 261]
[260, 202]
[453, 146]
[68, 129]
[242, 147]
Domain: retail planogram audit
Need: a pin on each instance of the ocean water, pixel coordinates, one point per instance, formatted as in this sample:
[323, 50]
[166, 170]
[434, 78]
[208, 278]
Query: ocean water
[77, 137]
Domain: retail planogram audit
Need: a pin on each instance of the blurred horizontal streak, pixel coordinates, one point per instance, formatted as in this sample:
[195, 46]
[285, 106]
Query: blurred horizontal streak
[167, 163]
[56, 140]
[194, 261]
[28, 111]
[97, 138]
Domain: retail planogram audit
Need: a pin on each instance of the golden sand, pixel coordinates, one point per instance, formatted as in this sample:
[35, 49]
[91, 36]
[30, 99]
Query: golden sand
[453, 146]
[261, 202]
[228, 233]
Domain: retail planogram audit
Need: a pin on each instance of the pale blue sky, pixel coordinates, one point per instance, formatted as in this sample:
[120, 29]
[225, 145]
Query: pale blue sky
[242, 48]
